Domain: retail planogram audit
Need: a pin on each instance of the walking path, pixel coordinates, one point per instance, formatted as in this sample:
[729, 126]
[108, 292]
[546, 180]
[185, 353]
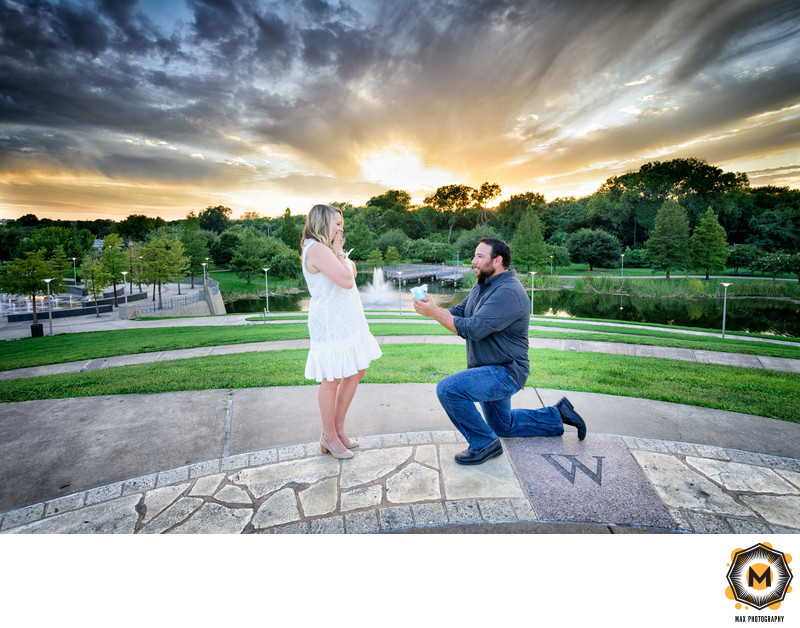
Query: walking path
[242, 461]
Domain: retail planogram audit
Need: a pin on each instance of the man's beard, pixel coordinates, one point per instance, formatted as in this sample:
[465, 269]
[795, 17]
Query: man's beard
[484, 273]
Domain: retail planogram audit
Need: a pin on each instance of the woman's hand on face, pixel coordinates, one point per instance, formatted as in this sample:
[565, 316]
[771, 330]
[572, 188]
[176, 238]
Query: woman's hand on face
[338, 241]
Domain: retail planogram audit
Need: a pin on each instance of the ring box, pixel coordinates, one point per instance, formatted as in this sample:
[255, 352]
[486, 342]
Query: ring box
[420, 292]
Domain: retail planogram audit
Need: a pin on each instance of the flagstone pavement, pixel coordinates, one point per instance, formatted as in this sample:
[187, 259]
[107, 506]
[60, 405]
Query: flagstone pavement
[410, 482]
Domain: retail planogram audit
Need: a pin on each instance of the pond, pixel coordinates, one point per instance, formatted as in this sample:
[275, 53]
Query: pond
[756, 315]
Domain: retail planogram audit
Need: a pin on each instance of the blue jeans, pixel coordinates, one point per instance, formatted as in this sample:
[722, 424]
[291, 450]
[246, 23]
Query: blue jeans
[492, 387]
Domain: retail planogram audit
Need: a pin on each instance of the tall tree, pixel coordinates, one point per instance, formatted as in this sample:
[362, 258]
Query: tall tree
[195, 245]
[223, 247]
[565, 216]
[528, 249]
[133, 255]
[612, 207]
[708, 246]
[249, 257]
[60, 264]
[24, 276]
[359, 238]
[178, 262]
[375, 259]
[75, 242]
[391, 199]
[389, 210]
[114, 260]
[393, 257]
[162, 261]
[773, 220]
[95, 277]
[483, 195]
[215, 218]
[290, 234]
[452, 202]
[136, 227]
[668, 246]
[509, 213]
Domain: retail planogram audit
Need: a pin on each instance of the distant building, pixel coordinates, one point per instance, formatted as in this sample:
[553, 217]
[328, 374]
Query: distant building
[98, 245]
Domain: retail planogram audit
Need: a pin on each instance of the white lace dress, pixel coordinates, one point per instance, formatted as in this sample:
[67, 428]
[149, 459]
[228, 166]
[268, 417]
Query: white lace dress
[341, 343]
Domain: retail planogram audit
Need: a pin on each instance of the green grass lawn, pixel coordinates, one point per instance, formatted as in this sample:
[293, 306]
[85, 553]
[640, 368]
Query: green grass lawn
[765, 393]
[229, 282]
[28, 352]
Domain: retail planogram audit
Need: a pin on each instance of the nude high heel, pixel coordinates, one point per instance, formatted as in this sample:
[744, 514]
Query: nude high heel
[326, 449]
[353, 444]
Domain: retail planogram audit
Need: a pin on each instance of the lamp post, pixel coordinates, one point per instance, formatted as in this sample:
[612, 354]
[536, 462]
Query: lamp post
[551, 265]
[724, 307]
[124, 272]
[74, 273]
[533, 273]
[49, 306]
[204, 272]
[622, 267]
[266, 287]
[400, 292]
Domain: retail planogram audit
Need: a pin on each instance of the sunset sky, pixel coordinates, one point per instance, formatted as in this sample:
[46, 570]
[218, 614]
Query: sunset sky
[161, 107]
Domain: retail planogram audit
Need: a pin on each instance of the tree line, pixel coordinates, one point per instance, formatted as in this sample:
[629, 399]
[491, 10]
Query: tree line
[674, 215]
[159, 260]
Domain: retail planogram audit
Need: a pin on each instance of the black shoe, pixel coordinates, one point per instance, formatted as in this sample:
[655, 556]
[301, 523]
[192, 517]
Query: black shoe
[490, 451]
[570, 417]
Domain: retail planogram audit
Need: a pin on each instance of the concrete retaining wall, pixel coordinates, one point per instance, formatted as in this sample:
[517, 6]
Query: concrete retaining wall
[211, 304]
[214, 298]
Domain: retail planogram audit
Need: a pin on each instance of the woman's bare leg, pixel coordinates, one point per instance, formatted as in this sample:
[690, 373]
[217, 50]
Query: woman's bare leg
[327, 398]
[347, 390]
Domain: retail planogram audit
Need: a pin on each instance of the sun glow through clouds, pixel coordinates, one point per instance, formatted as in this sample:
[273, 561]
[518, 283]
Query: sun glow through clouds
[401, 167]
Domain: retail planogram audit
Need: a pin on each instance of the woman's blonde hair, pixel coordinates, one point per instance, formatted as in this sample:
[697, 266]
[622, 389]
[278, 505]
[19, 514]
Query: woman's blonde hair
[318, 223]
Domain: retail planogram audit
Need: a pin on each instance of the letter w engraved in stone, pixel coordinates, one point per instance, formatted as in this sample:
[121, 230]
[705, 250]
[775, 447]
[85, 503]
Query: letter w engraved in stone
[597, 476]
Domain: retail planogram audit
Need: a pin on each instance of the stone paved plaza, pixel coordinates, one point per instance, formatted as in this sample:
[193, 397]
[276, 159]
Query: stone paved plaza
[409, 481]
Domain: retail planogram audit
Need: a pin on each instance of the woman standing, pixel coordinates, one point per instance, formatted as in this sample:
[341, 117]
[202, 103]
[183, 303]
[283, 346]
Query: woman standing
[341, 344]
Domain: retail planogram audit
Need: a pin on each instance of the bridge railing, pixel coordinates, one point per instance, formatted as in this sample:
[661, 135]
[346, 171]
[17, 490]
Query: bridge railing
[435, 272]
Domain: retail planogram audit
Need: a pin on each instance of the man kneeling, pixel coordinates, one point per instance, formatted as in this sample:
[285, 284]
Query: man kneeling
[494, 320]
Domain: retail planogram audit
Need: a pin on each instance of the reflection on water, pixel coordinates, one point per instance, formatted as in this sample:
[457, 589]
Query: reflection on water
[765, 316]
[768, 316]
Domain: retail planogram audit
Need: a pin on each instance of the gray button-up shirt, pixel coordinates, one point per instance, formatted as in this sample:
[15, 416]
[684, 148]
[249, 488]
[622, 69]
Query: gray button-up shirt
[494, 320]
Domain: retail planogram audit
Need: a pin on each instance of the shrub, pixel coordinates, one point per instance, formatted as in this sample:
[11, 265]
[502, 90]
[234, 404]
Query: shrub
[392, 238]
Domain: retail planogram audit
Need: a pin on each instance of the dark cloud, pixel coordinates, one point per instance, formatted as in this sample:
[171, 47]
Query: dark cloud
[217, 20]
[735, 30]
[274, 43]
